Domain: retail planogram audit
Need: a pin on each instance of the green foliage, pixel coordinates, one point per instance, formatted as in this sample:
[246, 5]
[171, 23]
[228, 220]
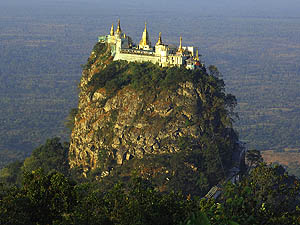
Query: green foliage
[254, 158]
[142, 76]
[99, 49]
[185, 143]
[140, 204]
[180, 172]
[51, 156]
[70, 120]
[52, 199]
[267, 196]
[15, 207]
[43, 199]
[273, 187]
[294, 168]
[11, 174]
[199, 218]
[51, 196]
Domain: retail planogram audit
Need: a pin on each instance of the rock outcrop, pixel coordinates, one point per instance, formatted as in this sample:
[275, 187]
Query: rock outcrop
[121, 118]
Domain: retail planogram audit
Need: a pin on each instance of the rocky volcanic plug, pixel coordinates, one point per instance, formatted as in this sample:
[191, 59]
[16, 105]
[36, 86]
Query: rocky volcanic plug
[132, 110]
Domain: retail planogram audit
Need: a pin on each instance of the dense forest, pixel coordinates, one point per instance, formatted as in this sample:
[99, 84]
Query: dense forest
[43, 190]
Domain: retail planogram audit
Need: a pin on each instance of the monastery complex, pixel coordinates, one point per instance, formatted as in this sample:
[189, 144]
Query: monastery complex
[123, 48]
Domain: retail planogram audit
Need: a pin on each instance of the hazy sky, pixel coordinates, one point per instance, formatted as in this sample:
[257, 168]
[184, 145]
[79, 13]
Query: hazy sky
[269, 8]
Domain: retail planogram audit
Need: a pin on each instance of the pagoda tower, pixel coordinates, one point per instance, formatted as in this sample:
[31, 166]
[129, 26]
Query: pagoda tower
[145, 42]
[119, 30]
[159, 42]
[180, 49]
[112, 32]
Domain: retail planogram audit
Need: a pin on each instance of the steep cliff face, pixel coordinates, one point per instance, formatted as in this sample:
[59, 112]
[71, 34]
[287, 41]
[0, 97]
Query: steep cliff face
[131, 110]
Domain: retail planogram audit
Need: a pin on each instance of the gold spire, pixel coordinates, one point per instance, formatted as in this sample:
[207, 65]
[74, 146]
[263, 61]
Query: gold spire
[145, 38]
[119, 31]
[112, 32]
[159, 42]
[145, 35]
[180, 49]
[197, 55]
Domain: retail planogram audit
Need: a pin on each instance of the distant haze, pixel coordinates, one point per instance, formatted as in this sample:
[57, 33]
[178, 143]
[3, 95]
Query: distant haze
[260, 8]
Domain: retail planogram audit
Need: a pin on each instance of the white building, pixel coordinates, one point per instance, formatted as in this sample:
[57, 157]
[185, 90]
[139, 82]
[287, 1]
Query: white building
[123, 48]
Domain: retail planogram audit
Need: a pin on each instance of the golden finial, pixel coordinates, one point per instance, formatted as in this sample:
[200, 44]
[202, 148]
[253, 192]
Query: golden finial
[112, 32]
[119, 31]
[124, 36]
[159, 42]
[180, 49]
[145, 38]
[197, 55]
[145, 35]
[180, 44]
